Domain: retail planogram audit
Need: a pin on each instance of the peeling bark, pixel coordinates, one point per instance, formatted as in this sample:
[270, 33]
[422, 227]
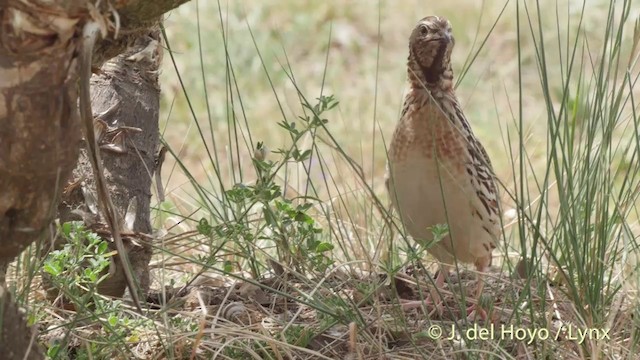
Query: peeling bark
[125, 94]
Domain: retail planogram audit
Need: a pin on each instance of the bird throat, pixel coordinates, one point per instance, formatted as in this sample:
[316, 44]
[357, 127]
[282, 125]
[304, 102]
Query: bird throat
[432, 74]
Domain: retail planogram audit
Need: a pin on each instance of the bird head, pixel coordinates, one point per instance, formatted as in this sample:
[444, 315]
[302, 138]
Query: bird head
[430, 47]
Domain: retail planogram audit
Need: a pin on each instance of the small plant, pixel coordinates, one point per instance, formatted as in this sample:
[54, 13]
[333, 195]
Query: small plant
[75, 272]
[291, 227]
[285, 222]
[77, 269]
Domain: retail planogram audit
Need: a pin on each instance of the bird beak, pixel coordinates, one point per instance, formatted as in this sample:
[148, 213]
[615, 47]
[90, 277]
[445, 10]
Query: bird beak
[446, 36]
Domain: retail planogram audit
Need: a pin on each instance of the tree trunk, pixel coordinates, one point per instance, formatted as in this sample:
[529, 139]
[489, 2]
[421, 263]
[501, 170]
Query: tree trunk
[39, 141]
[40, 131]
[125, 94]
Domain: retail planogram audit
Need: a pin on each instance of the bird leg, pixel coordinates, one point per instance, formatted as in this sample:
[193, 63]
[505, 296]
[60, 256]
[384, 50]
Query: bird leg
[443, 274]
[482, 265]
[436, 298]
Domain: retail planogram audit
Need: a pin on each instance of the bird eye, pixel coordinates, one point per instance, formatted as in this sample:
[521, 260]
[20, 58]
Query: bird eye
[424, 30]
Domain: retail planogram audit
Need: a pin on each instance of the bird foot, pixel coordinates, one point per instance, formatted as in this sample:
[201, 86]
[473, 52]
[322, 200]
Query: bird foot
[475, 311]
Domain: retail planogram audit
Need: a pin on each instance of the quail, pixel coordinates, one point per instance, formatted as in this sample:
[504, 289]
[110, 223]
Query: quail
[437, 171]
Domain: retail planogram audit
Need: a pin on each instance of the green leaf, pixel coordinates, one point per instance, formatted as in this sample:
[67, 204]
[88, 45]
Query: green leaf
[204, 228]
[103, 247]
[113, 320]
[323, 247]
[52, 268]
[303, 217]
[228, 266]
[269, 217]
[66, 229]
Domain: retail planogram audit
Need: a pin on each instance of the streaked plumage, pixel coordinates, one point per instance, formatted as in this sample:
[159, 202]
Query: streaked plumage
[438, 172]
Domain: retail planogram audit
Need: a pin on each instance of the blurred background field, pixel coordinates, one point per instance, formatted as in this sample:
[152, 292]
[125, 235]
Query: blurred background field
[354, 50]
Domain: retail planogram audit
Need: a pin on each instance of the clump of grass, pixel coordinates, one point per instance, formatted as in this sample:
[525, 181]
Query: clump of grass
[578, 229]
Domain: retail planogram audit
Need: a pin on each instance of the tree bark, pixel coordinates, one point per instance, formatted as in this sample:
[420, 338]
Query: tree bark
[39, 130]
[125, 94]
[16, 339]
[39, 127]
[39, 134]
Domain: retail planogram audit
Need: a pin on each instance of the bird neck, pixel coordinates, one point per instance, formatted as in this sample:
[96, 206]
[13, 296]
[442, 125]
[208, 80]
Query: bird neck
[426, 79]
[439, 92]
